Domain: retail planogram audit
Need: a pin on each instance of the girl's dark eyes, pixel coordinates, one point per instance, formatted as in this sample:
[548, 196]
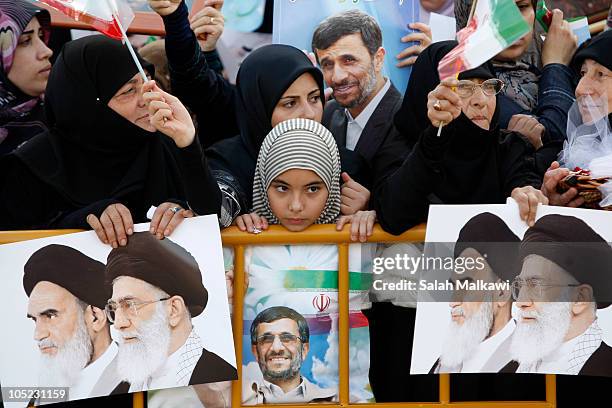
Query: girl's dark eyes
[313, 189]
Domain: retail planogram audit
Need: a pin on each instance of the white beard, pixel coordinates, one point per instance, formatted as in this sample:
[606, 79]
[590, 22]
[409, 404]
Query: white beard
[139, 359]
[63, 369]
[534, 340]
[463, 339]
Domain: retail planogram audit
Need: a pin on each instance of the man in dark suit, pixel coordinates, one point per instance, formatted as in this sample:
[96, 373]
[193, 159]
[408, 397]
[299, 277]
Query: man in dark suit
[348, 47]
[156, 290]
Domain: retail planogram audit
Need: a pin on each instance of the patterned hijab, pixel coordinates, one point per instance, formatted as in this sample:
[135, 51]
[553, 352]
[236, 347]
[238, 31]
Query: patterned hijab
[298, 144]
[15, 15]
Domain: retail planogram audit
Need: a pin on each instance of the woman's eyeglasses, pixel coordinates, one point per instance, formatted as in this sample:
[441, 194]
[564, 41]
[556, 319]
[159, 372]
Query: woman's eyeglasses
[465, 88]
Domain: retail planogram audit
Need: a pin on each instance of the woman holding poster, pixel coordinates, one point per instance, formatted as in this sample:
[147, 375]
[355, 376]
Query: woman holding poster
[103, 164]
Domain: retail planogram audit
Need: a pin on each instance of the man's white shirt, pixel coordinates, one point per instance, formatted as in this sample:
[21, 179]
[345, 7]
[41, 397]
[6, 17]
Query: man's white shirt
[277, 395]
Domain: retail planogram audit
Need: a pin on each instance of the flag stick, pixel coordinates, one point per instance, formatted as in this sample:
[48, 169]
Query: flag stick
[472, 10]
[129, 45]
[113, 6]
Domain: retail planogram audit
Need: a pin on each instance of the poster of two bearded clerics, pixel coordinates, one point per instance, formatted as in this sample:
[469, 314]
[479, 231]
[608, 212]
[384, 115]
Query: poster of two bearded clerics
[82, 317]
[515, 298]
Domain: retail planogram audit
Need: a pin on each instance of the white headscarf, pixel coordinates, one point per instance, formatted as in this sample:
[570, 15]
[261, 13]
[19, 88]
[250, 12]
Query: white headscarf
[298, 144]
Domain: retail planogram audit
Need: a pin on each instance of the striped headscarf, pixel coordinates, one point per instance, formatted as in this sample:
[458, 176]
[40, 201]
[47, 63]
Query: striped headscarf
[298, 144]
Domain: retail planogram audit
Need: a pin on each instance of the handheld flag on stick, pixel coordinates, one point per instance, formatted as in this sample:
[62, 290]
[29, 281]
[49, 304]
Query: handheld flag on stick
[494, 26]
[110, 17]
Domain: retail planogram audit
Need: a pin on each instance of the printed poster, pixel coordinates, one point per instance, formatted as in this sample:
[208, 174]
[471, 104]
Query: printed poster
[87, 320]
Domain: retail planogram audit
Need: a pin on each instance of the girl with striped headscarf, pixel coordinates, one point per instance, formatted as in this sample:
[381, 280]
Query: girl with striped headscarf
[297, 181]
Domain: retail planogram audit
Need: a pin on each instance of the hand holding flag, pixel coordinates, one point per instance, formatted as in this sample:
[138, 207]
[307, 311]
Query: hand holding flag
[443, 104]
[495, 25]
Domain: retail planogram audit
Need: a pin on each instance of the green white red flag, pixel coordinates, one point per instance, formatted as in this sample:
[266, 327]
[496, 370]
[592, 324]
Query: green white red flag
[103, 15]
[496, 25]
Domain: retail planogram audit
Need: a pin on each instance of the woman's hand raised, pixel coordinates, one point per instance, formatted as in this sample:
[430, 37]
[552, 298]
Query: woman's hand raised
[168, 115]
[443, 104]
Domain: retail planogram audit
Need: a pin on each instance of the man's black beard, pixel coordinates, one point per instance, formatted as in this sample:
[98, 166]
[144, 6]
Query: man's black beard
[292, 372]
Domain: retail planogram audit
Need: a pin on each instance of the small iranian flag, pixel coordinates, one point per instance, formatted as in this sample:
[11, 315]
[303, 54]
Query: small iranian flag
[496, 25]
[106, 16]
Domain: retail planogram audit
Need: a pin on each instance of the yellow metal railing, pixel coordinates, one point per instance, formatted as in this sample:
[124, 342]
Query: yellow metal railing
[318, 234]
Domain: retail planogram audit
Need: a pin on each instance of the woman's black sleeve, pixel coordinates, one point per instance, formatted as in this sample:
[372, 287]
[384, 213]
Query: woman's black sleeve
[518, 167]
[203, 193]
[202, 89]
[28, 203]
[401, 201]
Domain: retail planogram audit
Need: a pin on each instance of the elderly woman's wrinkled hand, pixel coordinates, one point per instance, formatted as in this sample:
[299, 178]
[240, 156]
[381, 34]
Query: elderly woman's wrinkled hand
[114, 225]
[168, 115]
[423, 39]
[443, 104]
[208, 24]
[167, 218]
[552, 177]
[529, 127]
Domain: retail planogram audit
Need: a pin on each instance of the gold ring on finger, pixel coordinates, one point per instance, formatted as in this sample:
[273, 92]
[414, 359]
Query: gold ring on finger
[437, 106]
[212, 20]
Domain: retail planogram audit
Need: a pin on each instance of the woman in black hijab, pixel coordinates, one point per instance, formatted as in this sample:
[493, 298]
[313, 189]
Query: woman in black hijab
[104, 166]
[264, 98]
[275, 83]
[472, 162]
[539, 82]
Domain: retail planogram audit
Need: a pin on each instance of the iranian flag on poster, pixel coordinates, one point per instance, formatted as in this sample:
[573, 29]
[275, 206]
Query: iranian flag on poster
[100, 14]
[496, 25]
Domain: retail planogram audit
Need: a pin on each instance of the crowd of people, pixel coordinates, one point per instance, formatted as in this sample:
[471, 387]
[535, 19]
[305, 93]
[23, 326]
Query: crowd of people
[86, 143]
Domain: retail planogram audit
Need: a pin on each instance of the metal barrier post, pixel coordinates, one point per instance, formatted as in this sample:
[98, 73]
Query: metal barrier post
[343, 323]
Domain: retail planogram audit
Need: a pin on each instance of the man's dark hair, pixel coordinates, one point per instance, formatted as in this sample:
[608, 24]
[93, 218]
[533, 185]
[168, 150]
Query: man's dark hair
[275, 313]
[330, 30]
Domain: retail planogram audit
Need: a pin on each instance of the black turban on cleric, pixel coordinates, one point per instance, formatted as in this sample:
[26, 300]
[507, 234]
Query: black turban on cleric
[163, 264]
[491, 237]
[574, 246]
[69, 268]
